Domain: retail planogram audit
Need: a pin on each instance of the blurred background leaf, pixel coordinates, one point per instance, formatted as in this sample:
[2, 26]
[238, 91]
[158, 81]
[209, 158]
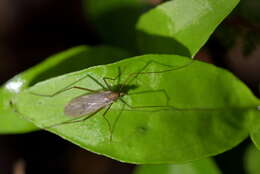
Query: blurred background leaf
[205, 166]
[115, 20]
[182, 26]
[252, 160]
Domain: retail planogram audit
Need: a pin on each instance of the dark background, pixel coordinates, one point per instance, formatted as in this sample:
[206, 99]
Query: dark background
[33, 30]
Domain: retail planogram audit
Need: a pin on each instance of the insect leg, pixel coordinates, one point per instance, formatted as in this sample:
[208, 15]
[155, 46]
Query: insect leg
[137, 107]
[63, 90]
[163, 91]
[70, 86]
[173, 108]
[128, 78]
[160, 107]
[171, 68]
[106, 82]
[74, 120]
[118, 117]
[110, 78]
[157, 108]
[109, 125]
[97, 82]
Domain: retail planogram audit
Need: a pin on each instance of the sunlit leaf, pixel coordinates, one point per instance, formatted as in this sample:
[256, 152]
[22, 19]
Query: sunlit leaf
[208, 113]
[181, 26]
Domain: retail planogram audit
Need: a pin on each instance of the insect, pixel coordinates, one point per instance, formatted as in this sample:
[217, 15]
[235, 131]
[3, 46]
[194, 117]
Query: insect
[84, 106]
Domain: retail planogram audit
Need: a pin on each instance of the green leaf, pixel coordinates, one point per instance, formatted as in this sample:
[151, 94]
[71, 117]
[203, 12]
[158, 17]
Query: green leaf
[215, 110]
[115, 20]
[255, 130]
[71, 60]
[252, 160]
[181, 26]
[9, 122]
[205, 166]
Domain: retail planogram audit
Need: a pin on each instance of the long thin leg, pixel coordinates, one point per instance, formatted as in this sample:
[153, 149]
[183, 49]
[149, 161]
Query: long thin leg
[69, 87]
[97, 82]
[136, 74]
[169, 107]
[74, 120]
[153, 91]
[141, 107]
[106, 82]
[61, 91]
[160, 108]
[128, 78]
[110, 78]
[119, 75]
[84, 118]
[170, 69]
[118, 117]
[109, 125]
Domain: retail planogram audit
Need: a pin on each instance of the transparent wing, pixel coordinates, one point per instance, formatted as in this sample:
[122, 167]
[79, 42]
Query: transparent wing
[87, 104]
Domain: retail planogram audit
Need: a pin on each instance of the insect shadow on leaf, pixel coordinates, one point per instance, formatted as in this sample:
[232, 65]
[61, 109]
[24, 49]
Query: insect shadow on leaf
[83, 107]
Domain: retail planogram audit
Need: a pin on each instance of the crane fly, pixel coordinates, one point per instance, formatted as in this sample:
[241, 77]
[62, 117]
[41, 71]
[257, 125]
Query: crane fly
[83, 107]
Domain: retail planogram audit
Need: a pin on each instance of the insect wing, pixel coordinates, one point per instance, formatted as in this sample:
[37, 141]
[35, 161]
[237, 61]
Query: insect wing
[87, 104]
